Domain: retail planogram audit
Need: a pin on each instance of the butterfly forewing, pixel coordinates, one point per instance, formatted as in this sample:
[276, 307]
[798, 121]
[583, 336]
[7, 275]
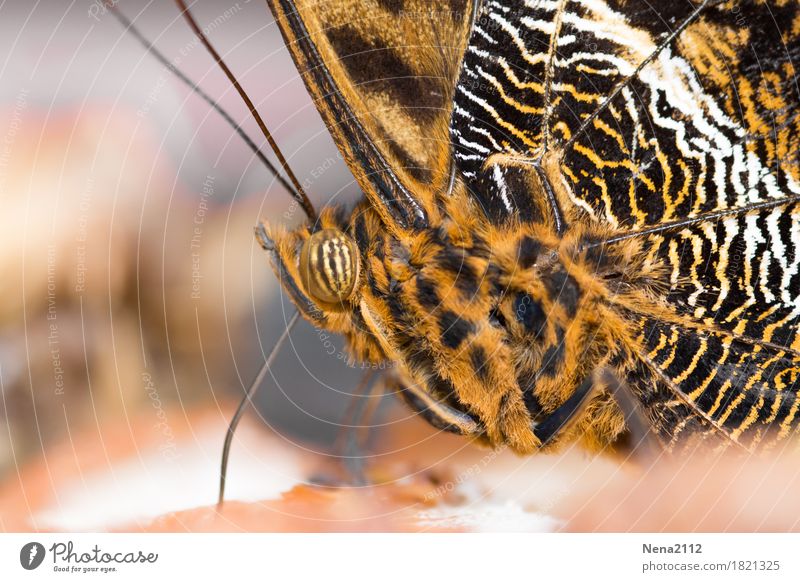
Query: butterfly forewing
[382, 74]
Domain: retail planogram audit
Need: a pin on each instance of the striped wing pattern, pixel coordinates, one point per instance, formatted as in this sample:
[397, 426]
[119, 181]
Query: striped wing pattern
[742, 388]
[739, 274]
[677, 124]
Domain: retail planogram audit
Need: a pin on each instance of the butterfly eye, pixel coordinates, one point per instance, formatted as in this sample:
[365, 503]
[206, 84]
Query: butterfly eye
[329, 266]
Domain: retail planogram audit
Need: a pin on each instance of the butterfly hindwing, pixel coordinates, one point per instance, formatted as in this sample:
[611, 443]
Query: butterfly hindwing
[655, 112]
[534, 71]
[740, 274]
[710, 124]
[741, 388]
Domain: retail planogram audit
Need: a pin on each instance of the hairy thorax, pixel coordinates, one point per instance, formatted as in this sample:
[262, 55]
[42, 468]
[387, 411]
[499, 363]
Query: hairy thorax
[502, 323]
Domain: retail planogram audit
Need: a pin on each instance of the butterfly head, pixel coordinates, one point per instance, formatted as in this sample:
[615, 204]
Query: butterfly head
[329, 267]
[318, 266]
[322, 270]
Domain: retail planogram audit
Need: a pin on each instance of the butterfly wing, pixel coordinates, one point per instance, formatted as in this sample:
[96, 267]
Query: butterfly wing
[732, 349]
[727, 225]
[652, 112]
[743, 390]
[382, 73]
[677, 124]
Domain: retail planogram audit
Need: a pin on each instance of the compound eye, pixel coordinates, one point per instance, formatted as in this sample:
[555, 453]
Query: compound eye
[329, 266]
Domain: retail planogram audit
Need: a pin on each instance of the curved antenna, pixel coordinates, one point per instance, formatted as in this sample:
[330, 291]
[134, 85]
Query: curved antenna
[152, 50]
[248, 397]
[301, 195]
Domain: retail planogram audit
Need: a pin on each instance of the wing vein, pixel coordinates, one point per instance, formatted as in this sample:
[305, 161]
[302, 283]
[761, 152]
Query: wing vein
[548, 76]
[705, 217]
[688, 402]
[627, 80]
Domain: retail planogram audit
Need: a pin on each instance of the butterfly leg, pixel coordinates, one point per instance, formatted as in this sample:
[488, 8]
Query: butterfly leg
[348, 445]
[645, 444]
[437, 413]
[548, 428]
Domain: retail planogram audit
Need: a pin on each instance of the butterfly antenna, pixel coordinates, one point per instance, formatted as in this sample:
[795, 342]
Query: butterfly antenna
[248, 397]
[133, 30]
[299, 193]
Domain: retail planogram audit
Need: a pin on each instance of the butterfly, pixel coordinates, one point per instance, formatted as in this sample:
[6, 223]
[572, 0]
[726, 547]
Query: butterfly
[555, 188]
[571, 208]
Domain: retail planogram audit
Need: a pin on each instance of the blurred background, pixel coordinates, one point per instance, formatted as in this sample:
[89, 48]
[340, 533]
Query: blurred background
[135, 309]
[131, 284]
